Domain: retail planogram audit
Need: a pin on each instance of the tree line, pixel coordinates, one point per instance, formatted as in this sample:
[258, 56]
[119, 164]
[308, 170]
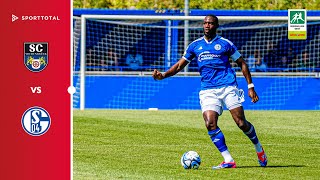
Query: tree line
[200, 4]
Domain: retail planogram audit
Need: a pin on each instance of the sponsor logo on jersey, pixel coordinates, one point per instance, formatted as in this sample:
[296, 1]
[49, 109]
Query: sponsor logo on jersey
[207, 56]
[36, 56]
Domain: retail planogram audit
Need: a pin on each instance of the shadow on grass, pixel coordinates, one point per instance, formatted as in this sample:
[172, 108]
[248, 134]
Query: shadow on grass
[274, 166]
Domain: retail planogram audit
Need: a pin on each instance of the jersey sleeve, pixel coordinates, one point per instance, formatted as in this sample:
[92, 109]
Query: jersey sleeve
[189, 54]
[236, 55]
[232, 51]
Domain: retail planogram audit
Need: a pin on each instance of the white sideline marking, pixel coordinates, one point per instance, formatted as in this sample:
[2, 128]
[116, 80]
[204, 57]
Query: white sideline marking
[153, 109]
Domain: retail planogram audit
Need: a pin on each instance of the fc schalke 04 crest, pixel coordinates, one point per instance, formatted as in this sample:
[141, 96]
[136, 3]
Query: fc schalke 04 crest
[36, 56]
[36, 121]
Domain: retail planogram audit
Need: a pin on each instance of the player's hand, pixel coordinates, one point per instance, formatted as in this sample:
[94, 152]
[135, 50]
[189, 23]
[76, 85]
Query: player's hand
[253, 95]
[157, 75]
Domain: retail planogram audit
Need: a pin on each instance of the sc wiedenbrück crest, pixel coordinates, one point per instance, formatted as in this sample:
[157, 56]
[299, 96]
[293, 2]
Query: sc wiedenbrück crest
[36, 56]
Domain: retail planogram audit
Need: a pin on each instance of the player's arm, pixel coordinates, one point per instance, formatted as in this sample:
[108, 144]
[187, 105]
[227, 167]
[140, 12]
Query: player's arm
[177, 67]
[246, 73]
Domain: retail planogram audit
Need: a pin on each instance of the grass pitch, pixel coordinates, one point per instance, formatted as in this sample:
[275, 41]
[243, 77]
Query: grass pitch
[123, 144]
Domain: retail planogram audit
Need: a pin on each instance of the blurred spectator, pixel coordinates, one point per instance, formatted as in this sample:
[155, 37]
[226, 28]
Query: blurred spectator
[317, 64]
[284, 63]
[251, 60]
[90, 60]
[110, 60]
[290, 55]
[134, 60]
[271, 58]
[256, 63]
[304, 61]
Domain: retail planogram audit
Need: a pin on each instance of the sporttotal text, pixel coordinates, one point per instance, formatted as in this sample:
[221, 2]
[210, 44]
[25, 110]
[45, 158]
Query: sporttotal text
[45, 18]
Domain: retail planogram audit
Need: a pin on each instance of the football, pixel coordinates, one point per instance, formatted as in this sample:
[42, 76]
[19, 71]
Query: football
[190, 160]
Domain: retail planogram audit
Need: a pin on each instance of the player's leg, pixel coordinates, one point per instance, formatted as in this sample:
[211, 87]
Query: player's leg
[249, 130]
[211, 109]
[233, 101]
[217, 137]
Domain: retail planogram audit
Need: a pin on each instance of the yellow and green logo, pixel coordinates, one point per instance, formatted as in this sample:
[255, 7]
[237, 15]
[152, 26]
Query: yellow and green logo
[297, 24]
[297, 17]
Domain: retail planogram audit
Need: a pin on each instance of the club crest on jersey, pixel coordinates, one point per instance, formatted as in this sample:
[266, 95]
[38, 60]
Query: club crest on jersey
[217, 47]
[36, 56]
[36, 121]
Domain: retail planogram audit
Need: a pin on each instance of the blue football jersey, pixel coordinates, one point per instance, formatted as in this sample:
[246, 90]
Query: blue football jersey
[213, 61]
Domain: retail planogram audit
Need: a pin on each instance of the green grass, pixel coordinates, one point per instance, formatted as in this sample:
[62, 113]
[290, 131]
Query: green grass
[125, 144]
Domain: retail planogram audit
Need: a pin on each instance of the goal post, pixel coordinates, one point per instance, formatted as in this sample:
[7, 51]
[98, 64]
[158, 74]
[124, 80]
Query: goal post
[160, 39]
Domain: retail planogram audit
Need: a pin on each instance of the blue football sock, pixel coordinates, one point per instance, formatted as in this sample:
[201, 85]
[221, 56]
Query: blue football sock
[217, 138]
[253, 137]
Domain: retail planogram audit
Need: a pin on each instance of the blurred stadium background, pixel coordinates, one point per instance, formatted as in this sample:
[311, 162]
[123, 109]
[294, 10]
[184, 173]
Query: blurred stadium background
[291, 86]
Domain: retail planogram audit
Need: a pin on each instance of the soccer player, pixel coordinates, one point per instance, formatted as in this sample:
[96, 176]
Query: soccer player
[219, 87]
